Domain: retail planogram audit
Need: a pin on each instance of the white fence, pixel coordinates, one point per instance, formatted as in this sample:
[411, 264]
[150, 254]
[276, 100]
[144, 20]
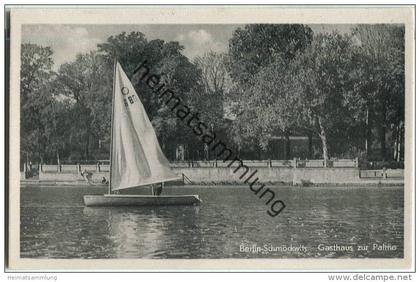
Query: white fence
[77, 168]
[295, 163]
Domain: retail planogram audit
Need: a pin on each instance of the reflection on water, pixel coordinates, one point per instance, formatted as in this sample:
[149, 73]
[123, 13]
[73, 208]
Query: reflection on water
[145, 231]
[56, 224]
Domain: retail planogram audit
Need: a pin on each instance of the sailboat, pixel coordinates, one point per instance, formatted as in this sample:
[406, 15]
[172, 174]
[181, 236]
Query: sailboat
[137, 159]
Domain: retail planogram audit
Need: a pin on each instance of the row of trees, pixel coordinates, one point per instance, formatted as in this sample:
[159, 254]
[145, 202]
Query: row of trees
[348, 90]
[345, 90]
[282, 79]
[66, 113]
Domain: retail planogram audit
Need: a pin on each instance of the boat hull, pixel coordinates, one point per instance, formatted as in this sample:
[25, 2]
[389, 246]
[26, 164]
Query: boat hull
[140, 200]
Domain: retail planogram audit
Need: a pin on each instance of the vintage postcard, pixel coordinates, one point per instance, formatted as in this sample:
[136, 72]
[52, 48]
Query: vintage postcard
[204, 138]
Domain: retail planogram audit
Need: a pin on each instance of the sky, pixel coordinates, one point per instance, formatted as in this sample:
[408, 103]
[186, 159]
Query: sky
[67, 41]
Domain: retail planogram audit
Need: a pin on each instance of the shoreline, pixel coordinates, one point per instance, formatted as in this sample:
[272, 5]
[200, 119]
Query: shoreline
[76, 184]
[215, 176]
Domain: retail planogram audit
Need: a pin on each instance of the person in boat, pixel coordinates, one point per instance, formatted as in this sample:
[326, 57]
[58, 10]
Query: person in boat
[157, 189]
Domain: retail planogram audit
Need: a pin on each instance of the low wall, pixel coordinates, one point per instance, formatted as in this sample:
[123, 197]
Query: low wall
[326, 175]
[228, 175]
[224, 175]
[71, 176]
[274, 175]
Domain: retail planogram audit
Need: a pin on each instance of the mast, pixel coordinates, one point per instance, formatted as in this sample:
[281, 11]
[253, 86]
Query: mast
[112, 124]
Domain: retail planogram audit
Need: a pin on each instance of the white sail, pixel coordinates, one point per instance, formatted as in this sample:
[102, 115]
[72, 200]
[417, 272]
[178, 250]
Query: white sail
[137, 158]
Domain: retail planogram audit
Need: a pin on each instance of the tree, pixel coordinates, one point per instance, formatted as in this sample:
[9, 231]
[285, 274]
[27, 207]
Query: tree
[87, 83]
[256, 45]
[252, 51]
[381, 71]
[270, 104]
[214, 72]
[323, 78]
[175, 70]
[306, 93]
[36, 95]
[213, 89]
[57, 118]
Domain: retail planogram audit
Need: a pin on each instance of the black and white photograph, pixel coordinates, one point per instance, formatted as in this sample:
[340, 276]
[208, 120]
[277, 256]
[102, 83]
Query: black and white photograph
[176, 138]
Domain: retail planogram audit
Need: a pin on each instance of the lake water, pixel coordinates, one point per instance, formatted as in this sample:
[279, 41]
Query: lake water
[230, 223]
